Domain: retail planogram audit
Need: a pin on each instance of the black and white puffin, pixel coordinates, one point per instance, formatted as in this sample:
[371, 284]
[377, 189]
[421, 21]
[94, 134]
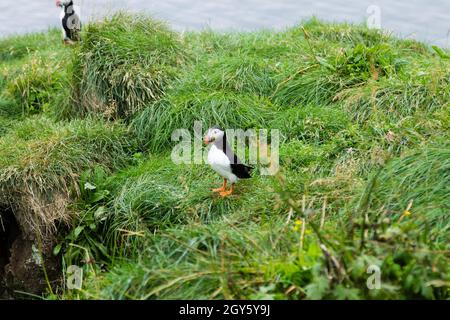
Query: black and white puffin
[70, 21]
[223, 160]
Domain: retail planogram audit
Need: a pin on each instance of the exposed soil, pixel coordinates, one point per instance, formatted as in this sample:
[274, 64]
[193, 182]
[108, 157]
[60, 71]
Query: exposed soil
[21, 262]
[9, 231]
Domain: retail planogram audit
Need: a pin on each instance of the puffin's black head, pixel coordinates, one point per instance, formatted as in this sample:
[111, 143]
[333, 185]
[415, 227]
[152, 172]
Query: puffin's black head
[214, 134]
[63, 3]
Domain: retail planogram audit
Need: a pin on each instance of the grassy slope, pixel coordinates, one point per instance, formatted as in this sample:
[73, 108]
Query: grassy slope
[364, 120]
[41, 159]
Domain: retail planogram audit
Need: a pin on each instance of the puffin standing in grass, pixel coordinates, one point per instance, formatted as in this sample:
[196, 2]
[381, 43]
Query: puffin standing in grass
[70, 20]
[223, 160]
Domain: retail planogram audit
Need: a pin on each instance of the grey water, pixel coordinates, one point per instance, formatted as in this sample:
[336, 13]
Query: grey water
[424, 20]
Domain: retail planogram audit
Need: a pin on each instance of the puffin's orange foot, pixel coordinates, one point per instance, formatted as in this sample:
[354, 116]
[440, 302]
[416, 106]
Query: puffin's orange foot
[68, 42]
[222, 188]
[224, 194]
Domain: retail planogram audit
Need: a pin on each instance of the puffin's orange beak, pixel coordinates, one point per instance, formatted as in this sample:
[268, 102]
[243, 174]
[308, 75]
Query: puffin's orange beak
[58, 3]
[206, 140]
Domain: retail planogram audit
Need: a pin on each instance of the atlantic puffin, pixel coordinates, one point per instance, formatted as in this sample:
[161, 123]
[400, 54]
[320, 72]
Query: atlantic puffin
[223, 160]
[70, 21]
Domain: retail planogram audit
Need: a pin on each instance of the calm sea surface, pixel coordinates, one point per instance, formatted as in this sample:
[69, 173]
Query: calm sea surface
[428, 21]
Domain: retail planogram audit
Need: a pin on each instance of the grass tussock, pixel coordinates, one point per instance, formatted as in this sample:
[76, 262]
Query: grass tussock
[36, 84]
[34, 75]
[40, 164]
[123, 63]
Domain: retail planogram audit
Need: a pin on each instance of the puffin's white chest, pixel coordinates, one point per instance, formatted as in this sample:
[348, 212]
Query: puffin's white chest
[220, 163]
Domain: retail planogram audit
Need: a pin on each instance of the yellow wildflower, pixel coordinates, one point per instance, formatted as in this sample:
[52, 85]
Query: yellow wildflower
[405, 213]
[298, 222]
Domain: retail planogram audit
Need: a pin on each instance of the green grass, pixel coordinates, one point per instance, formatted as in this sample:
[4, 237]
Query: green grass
[9, 114]
[156, 194]
[17, 47]
[363, 118]
[41, 161]
[419, 181]
[124, 63]
[245, 247]
[156, 123]
[34, 73]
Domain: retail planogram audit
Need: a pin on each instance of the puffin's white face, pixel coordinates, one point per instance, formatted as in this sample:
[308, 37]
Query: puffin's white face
[62, 3]
[213, 134]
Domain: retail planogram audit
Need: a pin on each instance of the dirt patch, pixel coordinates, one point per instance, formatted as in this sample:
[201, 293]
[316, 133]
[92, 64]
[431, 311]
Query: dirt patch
[9, 231]
[24, 260]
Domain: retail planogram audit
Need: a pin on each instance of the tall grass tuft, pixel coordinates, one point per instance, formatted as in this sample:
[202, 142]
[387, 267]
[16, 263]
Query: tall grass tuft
[40, 164]
[123, 63]
[36, 85]
[417, 185]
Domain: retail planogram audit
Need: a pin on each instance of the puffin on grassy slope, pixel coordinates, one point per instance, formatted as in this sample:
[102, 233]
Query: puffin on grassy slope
[223, 160]
[70, 21]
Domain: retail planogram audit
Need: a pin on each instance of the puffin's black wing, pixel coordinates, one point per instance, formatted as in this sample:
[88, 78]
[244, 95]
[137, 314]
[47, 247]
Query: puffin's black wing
[241, 170]
[66, 28]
